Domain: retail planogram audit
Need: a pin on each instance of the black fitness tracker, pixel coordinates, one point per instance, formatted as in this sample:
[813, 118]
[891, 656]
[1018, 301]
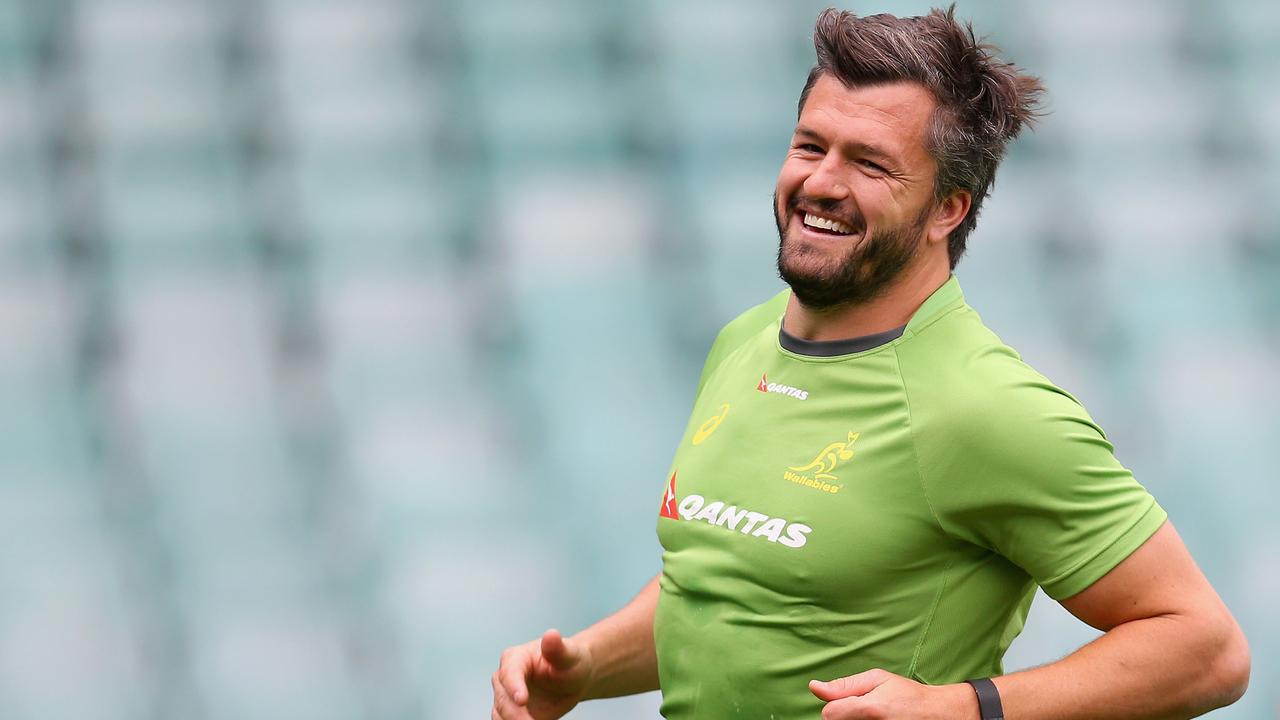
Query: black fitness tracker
[988, 699]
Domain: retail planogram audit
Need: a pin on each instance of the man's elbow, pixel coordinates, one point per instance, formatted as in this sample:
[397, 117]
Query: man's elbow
[1230, 669]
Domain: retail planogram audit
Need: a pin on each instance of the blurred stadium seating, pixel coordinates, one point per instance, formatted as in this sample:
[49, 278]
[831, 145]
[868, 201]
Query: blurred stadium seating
[346, 342]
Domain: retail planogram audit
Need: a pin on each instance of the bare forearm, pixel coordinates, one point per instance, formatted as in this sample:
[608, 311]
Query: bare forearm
[1157, 668]
[623, 657]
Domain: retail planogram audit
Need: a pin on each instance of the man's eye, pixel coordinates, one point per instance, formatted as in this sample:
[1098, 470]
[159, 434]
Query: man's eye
[809, 147]
[872, 166]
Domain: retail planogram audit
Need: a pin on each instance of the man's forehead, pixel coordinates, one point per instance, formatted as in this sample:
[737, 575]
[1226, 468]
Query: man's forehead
[895, 110]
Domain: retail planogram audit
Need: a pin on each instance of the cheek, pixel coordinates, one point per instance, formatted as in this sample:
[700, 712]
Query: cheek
[780, 197]
[878, 203]
[790, 178]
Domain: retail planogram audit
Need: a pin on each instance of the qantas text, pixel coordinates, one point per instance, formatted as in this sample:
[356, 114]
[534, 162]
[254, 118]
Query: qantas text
[747, 522]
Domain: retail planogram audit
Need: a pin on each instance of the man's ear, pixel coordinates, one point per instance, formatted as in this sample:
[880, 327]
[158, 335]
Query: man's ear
[948, 214]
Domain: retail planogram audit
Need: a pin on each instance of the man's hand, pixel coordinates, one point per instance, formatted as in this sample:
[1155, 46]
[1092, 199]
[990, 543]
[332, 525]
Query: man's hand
[541, 680]
[881, 695]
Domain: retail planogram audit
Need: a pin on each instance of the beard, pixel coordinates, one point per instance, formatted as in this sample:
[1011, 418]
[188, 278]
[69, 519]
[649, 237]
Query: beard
[867, 268]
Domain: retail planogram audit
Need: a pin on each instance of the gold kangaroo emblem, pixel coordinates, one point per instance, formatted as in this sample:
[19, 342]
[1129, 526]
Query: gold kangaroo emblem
[830, 456]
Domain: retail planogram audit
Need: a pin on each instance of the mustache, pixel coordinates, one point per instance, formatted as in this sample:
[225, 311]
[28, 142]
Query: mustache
[827, 208]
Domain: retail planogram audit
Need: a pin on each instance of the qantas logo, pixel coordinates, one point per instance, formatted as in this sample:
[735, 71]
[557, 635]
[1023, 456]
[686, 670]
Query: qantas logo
[767, 387]
[669, 500]
[733, 518]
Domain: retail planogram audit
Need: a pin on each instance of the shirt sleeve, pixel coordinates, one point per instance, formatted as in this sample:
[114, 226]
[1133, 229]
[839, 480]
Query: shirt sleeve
[1020, 468]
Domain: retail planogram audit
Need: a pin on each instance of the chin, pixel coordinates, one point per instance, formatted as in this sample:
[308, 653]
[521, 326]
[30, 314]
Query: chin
[812, 258]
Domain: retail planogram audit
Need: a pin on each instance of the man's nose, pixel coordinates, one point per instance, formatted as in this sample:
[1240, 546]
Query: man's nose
[828, 180]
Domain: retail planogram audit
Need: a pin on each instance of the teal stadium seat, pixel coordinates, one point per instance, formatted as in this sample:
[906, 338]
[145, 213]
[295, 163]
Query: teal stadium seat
[357, 120]
[19, 39]
[722, 81]
[731, 216]
[27, 223]
[235, 518]
[539, 80]
[73, 635]
[197, 377]
[43, 428]
[385, 333]
[171, 189]
[595, 364]
[269, 660]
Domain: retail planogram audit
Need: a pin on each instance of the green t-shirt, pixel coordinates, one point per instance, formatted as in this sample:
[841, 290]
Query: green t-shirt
[894, 507]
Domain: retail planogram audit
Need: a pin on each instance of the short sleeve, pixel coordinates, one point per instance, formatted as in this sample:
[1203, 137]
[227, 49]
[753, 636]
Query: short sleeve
[1016, 465]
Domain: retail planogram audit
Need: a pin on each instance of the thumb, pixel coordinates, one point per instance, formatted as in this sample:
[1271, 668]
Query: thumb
[559, 653]
[850, 686]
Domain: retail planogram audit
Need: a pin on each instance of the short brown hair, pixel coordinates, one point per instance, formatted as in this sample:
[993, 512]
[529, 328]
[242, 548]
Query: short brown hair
[983, 102]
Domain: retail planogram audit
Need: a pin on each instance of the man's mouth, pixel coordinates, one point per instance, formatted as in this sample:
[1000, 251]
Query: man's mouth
[826, 226]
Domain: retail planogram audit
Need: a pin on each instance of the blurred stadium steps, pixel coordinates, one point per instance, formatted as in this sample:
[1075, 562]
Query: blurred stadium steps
[345, 342]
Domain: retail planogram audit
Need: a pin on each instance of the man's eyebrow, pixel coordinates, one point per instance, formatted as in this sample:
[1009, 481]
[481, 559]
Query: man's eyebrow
[860, 147]
[806, 132]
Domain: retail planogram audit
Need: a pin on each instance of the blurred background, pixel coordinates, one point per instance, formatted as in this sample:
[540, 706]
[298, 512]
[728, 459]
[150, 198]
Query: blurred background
[344, 343]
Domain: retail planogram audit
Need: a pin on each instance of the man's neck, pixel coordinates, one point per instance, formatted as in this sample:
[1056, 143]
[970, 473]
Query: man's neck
[891, 309]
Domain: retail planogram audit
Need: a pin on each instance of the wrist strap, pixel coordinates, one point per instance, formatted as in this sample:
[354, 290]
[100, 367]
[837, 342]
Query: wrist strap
[988, 699]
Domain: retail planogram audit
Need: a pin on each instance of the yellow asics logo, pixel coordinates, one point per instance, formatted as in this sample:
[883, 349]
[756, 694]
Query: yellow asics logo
[830, 456]
[710, 425]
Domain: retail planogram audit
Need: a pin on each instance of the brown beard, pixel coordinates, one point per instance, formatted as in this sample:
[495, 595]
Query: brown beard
[867, 269]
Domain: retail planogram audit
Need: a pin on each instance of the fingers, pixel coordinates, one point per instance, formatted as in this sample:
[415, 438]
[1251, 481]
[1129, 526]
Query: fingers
[504, 707]
[541, 662]
[511, 674]
[557, 651]
[851, 686]
[850, 708]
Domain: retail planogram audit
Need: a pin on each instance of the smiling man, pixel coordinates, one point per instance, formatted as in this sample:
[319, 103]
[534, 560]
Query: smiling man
[872, 486]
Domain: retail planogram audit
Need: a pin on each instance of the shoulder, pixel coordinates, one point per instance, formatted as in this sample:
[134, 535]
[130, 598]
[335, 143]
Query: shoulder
[971, 394]
[741, 329]
[962, 369]
[753, 320]
[1011, 462]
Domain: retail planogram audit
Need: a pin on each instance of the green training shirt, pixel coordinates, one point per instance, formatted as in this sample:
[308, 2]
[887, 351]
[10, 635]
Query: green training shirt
[894, 506]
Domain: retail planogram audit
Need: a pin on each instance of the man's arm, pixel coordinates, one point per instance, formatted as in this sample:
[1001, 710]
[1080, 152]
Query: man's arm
[621, 647]
[544, 679]
[1170, 649]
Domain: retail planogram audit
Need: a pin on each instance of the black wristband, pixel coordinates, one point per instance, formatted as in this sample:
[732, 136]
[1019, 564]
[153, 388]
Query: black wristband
[988, 699]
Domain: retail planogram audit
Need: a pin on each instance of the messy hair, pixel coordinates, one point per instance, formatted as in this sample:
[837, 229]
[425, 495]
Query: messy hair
[983, 102]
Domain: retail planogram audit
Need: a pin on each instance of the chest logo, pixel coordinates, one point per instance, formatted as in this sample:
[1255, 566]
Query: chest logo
[710, 425]
[733, 518]
[765, 386]
[819, 474]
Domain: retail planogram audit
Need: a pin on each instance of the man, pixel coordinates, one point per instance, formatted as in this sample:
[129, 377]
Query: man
[871, 485]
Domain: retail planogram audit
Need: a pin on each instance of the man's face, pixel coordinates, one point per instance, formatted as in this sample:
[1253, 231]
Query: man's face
[855, 192]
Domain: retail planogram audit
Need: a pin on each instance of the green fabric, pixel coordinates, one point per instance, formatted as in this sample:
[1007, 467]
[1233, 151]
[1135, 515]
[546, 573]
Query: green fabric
[892, 508]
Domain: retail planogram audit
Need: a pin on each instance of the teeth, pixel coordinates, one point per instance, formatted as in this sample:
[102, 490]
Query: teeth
[825, 224]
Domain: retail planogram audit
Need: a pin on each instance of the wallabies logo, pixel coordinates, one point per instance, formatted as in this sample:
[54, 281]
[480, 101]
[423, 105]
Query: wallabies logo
[819, 474]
